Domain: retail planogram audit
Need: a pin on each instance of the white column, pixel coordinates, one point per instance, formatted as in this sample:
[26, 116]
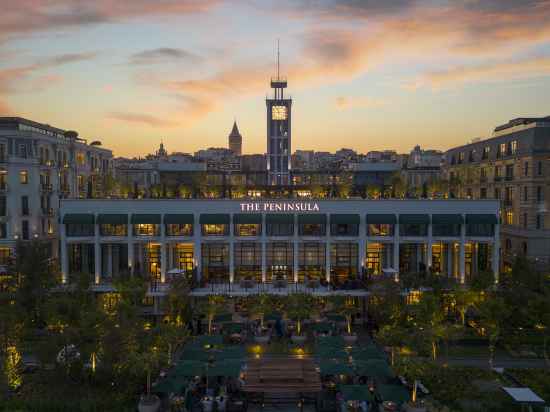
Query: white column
[429, 247]
[450, 247]
[327, 261]
[462, 255]
[231, 250]
[295, 259]
[362, 254]
[231, 261]
[264, 249]
[63, 251]
[295, 250]
[396, 249]
[163, 252]
[97, 255]
[130, 245]
[475, 259]
[496, 254]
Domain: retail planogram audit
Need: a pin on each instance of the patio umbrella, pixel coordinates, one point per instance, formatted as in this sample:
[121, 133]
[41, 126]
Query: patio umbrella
[366, 353]
[207, 340]
[374, 368]
[322, 327]
[229, 368]
[335, 368]
[335, 317]
[231, 352]
[169, 385]
[356, 393]
[395, 393]
[331, 353]
[331, 341]
[189, 368]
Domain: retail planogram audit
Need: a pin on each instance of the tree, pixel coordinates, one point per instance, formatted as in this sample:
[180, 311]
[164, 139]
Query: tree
[538, 310]
[493, 312]
[185, 191]
[343, 305]
[299, 307]
[464, 299]
[373, 191]
[212, 307]
[429, 319]
[36, 273]
[260, 305]
[399, 185]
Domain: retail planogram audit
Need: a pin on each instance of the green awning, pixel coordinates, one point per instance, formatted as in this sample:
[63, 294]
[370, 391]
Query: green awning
[486, 219]
[79, 219]
[279, 218]
[396, 393]
[374, 368]
[335, 368]
[381, 219]
[112, 219]
[247, 218]
[447, 219]
[182, 219]
[419, 219]
[315, 218]
[214, 219]
[356, 393]
[344, 219]
[145, 219]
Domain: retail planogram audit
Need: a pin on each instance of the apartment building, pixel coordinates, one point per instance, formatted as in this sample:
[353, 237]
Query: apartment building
[513, 166]
[39, 165]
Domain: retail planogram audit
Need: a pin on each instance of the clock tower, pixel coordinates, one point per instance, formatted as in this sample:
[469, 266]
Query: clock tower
[278, 132]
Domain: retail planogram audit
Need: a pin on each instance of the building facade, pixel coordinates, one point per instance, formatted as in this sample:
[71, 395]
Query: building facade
[332, 242]
[512, 167]
[39, 165]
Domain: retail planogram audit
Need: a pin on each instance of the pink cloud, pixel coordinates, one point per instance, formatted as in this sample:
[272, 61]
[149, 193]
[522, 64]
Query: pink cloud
[141, 118]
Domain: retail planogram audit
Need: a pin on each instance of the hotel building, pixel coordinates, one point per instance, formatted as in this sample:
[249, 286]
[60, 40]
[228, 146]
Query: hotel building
[223, 243]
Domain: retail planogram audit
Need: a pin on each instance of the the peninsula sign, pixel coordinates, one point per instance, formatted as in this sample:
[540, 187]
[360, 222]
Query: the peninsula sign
[279, 207]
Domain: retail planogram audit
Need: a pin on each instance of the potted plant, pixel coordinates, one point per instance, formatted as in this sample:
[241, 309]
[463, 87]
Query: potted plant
[344, 306]
[300, 306]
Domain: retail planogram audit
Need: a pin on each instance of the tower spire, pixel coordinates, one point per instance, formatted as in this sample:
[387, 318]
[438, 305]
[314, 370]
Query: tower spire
[277, 59]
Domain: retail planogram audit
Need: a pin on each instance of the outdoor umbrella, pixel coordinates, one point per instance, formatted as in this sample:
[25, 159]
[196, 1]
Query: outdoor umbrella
[323, 327]
[395, 393]
[335, 368]
[207, 340]
[330, 341]
[189, 368]
[169, 385]
[374, 368]
[229, 368]
[356, 393]
[367, 353]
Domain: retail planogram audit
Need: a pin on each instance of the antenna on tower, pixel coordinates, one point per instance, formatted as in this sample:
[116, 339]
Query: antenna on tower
[277, 59]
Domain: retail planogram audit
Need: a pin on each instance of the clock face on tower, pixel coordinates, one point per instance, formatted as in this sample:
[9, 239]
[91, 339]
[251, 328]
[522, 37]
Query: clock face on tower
[278, 113]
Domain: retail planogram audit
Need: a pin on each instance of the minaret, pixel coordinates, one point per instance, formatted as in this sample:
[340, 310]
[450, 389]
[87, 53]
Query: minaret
[278, 131]
[235, 140]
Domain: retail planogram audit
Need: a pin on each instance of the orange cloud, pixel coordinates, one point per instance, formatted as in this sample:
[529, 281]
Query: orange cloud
[141, 118]
[25, 16]
[493, 72]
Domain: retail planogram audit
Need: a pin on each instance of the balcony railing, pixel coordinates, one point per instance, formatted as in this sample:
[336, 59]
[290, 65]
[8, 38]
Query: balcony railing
[46, 187]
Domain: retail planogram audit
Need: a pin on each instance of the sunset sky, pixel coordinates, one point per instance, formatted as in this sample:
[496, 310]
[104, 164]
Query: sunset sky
[366, 75]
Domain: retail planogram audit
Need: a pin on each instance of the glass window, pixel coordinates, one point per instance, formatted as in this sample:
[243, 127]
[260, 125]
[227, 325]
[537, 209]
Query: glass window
[25, 229]
[25, 205]
[3, 232]
[248, 260]
[525, 217]
[179, 229]
[509, 217]
[146, 229]
[280, 229]
[76, 229]
[483, 193]
[312, 229]
[344, 229]
[513, 147]
[215, 261]
[540, 222]
[380, 229]
[413, 229]
[23, 177]
[526, 169]
[486, 151]
[539, 194]
[113, 229]
[215, 229]
[3, 206]
[539, 168]
[248, 229]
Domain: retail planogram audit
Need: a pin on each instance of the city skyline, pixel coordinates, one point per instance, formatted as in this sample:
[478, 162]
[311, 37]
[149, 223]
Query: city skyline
[378, 76]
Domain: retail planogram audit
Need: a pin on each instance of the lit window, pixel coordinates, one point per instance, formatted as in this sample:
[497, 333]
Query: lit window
[509, 217]
[278, 113]
[80, 158]
[23, 177]
[514, 146]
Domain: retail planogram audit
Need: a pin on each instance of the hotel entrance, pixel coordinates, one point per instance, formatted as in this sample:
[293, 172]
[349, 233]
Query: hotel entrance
[279, 261]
